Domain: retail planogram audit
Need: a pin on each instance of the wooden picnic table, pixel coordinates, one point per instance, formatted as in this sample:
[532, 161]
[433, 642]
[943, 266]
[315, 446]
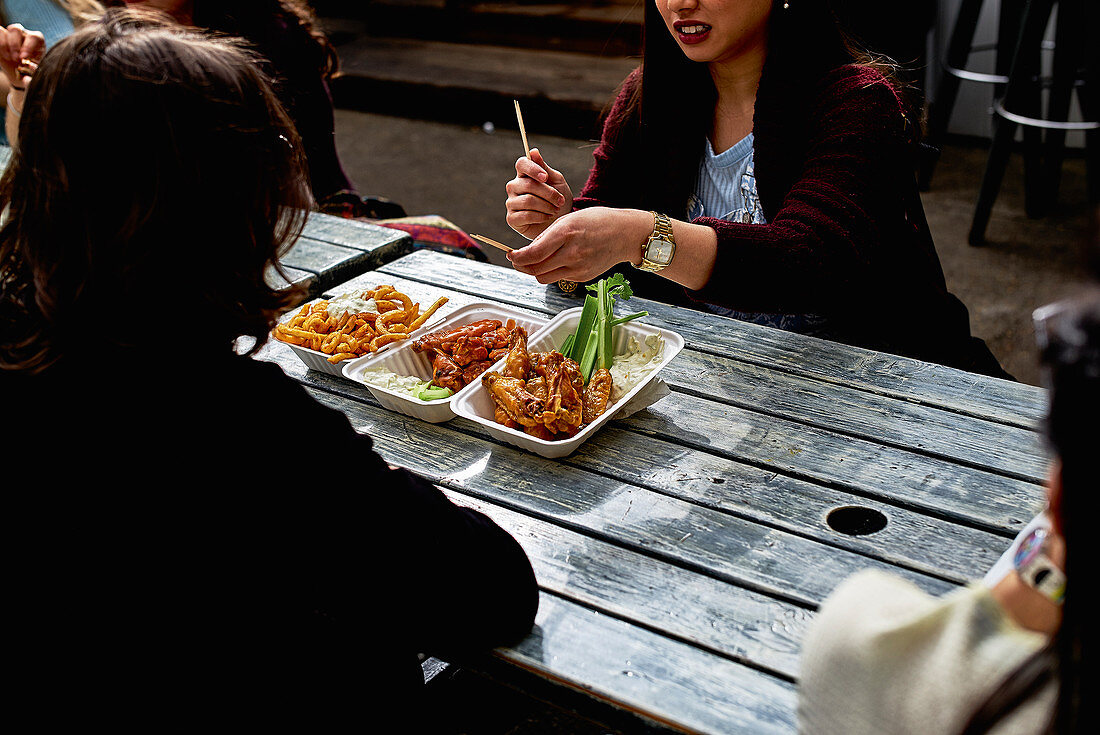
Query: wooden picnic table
[333, 250]
[682, 551]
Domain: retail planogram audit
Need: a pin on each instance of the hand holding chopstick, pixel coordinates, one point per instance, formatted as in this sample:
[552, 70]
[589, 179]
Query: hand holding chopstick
[547, 192]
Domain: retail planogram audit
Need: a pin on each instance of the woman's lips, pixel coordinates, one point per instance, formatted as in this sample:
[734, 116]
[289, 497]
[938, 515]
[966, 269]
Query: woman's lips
[691, 31]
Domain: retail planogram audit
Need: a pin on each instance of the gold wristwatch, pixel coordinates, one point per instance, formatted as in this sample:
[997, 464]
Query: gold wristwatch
[658, 250]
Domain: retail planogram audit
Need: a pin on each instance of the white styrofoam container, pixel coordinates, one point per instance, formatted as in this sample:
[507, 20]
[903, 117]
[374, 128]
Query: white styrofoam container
[316, 360]
[477, 405]
[404, 360]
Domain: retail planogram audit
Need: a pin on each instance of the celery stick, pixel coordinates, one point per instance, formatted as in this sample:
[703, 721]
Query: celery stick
[589, 312]
[588, 359]
[607, 313]
[630, 317]
[434, 393]
[567, 345]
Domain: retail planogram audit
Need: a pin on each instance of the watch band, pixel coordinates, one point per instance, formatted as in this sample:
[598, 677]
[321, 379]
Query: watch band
[662, 226]
[1037, 570]
[662, 230]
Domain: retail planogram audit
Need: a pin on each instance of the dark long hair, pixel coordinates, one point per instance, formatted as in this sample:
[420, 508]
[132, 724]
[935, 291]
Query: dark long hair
[671, 110]
[261, 21]
[1070, 359]
[155, 183]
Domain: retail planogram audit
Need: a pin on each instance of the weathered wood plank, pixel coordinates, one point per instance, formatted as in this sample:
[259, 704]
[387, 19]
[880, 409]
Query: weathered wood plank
[782, 450]
[910, 538]
[890, 375]
[880, 471]
[303, 279]
[670, 682]
[768, 560]
[383, 243]
[332, 264]
[978, 442]
[742, 625]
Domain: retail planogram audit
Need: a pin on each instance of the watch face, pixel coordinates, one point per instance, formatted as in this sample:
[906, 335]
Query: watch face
[659, 251]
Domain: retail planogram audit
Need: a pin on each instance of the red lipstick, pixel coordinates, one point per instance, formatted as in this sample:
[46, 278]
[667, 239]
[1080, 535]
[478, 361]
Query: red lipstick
[691, 31]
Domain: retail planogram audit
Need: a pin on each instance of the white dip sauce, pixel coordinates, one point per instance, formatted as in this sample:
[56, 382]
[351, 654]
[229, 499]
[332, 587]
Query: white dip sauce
[352, 302]
[408, 385]
[632, 367]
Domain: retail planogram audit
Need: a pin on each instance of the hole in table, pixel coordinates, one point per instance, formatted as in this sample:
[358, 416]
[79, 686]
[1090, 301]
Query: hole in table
[854, 520]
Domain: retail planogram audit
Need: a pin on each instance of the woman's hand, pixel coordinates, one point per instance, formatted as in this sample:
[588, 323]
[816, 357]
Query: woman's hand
[582, 245]
[537, 196]
[18, 45]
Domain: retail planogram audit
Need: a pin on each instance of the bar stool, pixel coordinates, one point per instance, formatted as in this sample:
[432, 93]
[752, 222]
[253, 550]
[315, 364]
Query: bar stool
[1074, 69]
[954, 71]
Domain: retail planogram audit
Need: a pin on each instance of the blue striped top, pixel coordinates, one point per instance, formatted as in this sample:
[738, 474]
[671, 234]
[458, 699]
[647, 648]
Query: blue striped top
[725, 187]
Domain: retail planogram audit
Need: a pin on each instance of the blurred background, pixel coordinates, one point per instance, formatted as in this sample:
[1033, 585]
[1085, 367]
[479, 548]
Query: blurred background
[425, 117]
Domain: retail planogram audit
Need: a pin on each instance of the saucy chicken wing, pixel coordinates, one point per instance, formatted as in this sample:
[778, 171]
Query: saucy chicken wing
[596, 394]
[511, 395]
[446, 373]
[518, 362]
[437, 340]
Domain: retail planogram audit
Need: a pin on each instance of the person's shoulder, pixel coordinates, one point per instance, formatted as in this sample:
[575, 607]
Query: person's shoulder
[872, 593]
[860, 84]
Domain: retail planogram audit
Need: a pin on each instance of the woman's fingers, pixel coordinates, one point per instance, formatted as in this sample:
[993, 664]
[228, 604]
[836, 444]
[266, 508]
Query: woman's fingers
[527, 167]
[530, 202]
[19, 45]
[553, 177]
[525, 189]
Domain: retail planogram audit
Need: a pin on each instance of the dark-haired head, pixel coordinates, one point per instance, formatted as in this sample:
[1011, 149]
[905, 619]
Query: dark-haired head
[155, 183]
[673, 109]
[1069, 342]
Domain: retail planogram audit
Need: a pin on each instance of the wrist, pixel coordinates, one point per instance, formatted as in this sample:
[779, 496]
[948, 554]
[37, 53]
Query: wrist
[639, 227]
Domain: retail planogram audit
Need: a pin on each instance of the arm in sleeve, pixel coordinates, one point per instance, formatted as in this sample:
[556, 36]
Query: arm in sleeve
[830, 224]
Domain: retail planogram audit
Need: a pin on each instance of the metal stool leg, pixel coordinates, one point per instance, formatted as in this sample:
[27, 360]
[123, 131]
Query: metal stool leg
[947, 87]
[1069, 41]
[1020, 87]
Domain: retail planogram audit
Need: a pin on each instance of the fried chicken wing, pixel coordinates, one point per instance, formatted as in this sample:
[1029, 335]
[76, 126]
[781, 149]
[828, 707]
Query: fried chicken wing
[437, 340]
[511, 395]
[518, 363]
[564, 407]
[468, 349]
[596, 394]
[445, 373]
[471, 372]
[539, 431]
[537, 387]
[502, 418]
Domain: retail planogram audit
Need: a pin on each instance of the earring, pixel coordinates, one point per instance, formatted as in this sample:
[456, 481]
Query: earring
[786, 5]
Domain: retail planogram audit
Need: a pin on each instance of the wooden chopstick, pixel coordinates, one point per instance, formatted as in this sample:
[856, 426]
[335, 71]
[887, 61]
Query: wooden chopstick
[566, 286]
[491, 241]
[522, 130]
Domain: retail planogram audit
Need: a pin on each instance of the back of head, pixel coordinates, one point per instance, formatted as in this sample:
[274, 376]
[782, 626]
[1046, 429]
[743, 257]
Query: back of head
[1070, 354]
[156, 176]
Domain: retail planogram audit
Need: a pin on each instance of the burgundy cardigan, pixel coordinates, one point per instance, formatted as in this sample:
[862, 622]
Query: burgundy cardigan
[846, 236]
